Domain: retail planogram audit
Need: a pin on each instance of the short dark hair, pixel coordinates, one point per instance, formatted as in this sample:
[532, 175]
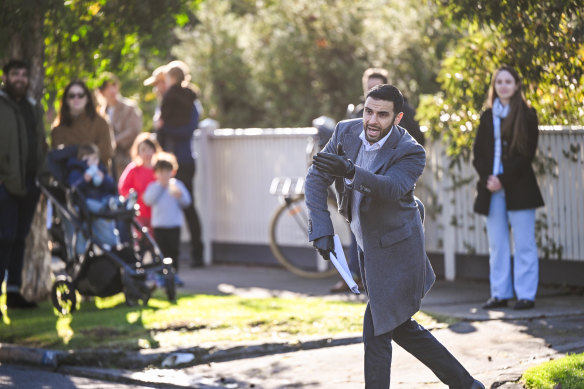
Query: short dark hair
[388, 93]
[165, 161]
[15, 64]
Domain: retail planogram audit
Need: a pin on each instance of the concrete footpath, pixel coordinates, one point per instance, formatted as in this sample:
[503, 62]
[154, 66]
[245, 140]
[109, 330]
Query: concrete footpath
[495, 346]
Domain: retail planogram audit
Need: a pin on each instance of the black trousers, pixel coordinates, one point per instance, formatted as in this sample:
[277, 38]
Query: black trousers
[186, 174]
[168, 240]
[419, 342]
[16, 214]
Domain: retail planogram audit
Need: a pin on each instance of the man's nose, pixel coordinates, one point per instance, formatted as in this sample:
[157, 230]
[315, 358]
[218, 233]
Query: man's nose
[373, 119]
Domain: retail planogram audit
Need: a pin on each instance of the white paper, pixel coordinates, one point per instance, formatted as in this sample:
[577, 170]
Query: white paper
[340, 263]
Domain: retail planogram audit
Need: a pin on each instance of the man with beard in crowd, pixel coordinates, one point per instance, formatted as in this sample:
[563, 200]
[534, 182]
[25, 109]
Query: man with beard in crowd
[22, 152]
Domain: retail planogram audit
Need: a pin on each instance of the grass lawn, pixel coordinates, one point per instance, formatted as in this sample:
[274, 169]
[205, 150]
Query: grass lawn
[564, 373]
[193, 320]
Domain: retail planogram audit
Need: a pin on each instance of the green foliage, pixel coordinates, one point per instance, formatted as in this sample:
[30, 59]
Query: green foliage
[83, 38]
[283, 63]
[566, 372]
[543, 40]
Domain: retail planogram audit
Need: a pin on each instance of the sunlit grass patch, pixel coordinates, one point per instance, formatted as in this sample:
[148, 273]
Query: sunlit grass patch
[567, 372]
[192, 320]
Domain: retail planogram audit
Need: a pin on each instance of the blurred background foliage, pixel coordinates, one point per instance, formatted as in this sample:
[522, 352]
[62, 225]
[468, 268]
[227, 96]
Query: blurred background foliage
[543, 40]
[281, 63]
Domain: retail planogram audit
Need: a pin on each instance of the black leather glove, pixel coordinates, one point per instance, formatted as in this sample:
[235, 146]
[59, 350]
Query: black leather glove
[334, 164]
[325, 245]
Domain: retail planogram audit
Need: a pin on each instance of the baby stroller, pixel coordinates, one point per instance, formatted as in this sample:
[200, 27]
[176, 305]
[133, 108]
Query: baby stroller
[94, 268]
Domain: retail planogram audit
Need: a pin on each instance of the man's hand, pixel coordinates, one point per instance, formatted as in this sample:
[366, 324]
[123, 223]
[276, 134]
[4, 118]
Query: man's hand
[335, 164]
[325, 245]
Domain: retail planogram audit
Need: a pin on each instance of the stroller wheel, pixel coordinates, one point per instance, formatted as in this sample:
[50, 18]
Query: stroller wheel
[63, 296]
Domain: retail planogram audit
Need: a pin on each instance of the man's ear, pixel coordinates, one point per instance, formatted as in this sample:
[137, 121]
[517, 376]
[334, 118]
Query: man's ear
[398, 118]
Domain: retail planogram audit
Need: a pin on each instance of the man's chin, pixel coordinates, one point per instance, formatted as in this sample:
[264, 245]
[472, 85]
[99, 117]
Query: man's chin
[16, 92]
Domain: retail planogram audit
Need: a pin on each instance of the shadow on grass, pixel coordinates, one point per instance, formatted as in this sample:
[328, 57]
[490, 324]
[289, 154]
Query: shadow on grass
[104, 323]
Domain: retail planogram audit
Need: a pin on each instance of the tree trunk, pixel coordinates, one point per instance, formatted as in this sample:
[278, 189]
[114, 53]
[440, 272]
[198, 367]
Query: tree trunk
[28, 44]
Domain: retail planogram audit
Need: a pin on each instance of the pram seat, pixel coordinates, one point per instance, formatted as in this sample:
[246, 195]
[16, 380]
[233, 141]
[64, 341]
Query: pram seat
[98, 269]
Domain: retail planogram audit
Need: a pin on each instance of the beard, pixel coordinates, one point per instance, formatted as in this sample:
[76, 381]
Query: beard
[16, 90]
[381, 133]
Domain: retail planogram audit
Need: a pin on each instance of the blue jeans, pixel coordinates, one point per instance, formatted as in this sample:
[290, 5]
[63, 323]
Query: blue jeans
[521, 276]
[416, 340]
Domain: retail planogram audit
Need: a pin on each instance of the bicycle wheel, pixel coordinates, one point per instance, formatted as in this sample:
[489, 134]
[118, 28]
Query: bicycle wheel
[289, 239]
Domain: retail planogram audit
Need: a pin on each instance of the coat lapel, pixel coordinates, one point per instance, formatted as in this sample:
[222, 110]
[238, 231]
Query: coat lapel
[351, 141]
[385, 152]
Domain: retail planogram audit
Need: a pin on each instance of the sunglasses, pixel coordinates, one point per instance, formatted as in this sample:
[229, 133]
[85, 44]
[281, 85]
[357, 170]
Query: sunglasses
[72, 96]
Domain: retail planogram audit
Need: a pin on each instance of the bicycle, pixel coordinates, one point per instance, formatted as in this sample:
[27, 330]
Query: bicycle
[289, 230]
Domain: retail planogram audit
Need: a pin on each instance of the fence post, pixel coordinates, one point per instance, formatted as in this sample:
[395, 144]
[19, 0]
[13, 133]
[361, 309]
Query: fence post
[205, 204]
[447, 214]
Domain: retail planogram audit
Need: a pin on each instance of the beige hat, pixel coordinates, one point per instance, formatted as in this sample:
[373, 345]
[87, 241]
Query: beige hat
[157, 75]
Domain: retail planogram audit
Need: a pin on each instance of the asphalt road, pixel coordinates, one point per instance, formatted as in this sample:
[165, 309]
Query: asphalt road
[31, 377]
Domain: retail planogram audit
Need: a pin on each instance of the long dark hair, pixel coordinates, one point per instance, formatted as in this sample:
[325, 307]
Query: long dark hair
[513, 127]
[65, 117]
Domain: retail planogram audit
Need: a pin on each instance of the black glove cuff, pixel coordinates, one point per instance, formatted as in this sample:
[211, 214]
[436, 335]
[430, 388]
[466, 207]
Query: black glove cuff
[350, 170]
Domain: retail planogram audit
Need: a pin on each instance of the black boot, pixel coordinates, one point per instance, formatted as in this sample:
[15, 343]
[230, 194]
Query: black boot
[15, 300]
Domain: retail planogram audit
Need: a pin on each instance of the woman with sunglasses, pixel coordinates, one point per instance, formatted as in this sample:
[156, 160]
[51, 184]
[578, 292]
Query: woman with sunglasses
[79, 123]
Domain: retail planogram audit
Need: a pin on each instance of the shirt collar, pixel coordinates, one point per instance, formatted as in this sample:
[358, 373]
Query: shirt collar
[377, 145]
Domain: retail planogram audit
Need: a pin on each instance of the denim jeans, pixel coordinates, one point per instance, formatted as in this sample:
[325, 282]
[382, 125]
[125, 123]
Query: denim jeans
[522, 275]
[419, 342]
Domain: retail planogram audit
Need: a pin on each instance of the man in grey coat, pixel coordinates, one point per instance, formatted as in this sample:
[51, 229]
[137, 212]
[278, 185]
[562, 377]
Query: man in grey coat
[374, 164]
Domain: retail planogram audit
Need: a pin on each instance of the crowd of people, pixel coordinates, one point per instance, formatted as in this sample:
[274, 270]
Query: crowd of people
[116, 161]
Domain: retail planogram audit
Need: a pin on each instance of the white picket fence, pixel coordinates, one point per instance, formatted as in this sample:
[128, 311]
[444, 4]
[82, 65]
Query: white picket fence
[236, 167]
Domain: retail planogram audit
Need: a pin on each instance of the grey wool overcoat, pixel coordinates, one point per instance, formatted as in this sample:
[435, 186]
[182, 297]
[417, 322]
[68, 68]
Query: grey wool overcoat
[394, 265]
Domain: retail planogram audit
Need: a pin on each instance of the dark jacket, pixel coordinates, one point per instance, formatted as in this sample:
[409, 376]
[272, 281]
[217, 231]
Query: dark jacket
[177, 139]
[77, 169]
[14, 147]
[518, 178]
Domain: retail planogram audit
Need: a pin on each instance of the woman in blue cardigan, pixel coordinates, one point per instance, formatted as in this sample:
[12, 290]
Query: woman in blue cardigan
[507, 190]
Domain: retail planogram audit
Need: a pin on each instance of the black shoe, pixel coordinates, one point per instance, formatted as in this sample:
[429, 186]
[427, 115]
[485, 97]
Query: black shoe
[477, 385]
[524, 304]
[495, 302]
[15, 300]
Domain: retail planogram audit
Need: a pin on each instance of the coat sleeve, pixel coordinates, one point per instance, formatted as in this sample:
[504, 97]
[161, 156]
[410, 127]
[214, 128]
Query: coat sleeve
[104, 140]
[480, 152]
[316, 196]
[126, 181]
[396, 179]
